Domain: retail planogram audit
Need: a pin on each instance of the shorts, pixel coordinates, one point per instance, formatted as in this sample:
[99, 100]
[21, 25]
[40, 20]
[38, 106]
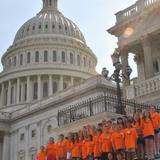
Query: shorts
[104, 156]
[151, 137]
[131, 150]
[140, 140]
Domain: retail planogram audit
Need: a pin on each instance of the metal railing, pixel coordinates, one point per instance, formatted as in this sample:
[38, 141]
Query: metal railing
[94, 106]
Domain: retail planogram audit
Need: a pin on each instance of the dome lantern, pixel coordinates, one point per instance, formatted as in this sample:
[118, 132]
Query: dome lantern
[50, 4]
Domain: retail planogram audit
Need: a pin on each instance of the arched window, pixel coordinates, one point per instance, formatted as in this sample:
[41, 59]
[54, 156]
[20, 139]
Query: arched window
[54, 56]
[49, 128]
[45, 56]
[78, 60]
[63, 57]
[37, 56]
[28, 57]
[55, 87]
[21, 59]
[35, 90]
[71, 58]
[45, 89]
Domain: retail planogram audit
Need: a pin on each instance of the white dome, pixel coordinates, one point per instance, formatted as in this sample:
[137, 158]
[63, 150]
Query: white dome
[49, 21]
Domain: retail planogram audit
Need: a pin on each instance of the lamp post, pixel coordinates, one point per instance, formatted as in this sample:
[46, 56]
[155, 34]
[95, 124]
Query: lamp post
[117, 76]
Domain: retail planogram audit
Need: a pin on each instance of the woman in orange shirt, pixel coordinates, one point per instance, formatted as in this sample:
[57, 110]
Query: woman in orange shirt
[148, 132]
[90, 147]
[105, 142]
[42, 154]
[51, 149]
[83, 141]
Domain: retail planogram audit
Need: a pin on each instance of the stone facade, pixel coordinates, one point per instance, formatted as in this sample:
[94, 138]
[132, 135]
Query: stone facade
[137, 29]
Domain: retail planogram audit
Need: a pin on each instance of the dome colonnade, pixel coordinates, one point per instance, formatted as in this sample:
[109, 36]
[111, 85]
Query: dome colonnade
[49, 54]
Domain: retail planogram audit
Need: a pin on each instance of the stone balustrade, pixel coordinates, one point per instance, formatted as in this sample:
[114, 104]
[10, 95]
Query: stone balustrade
[136, 8]
[144, 87]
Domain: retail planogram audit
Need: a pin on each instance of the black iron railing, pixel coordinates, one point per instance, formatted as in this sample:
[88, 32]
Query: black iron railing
[94, 106]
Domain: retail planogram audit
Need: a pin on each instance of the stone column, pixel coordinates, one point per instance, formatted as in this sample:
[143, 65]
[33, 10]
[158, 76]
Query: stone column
[22, 91]
[72, 81]
[1, 149]
[16, 144]
[61, 83]
[6, 147]
[9, 93]
[38, 135]
[28, 90]
[2, 95]
[148, 62]
[39, 87]
[18, 84]
[50, 86]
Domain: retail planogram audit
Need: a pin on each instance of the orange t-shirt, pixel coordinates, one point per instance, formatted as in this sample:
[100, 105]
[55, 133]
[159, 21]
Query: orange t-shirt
[130, 136]
[61, 149]
[117, 139]
[96, 142]
[138, 128]
[75, 150]
[68, 145]
[147, 126]
[155, 119]
[51, 150]
[84, 149]
[41, 155]
[106, 144]
[90, 147]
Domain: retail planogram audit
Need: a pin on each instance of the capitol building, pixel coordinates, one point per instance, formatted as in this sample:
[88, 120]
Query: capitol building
[49, 84]
[48, 67]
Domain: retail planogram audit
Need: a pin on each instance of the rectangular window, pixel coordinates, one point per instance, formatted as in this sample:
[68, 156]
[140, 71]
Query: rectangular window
[78, 60]
[71, 58]
[15, 60]
[28, 57]
[22, 137]
[33, 134]
[37, 57]
[54, 56]
[21, 59]
[35, 90]
[45, 56]
[63, 57]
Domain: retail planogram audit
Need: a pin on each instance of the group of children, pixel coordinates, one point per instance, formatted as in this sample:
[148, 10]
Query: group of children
[126, 137]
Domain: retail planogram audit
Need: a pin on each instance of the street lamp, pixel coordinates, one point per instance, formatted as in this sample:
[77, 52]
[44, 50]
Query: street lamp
[117, 76]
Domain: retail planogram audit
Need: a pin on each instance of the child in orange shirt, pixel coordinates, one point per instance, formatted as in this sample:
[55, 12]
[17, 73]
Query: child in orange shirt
[148, 132]
[90, 147]
[117, 139]
[105, 141]
[42, 154]
[75, 149]
[96, 141]
[61, 148]
[51, 149]
[130, 136]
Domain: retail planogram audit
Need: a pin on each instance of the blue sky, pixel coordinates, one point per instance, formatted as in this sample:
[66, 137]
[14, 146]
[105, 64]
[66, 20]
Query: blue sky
[93, 17]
